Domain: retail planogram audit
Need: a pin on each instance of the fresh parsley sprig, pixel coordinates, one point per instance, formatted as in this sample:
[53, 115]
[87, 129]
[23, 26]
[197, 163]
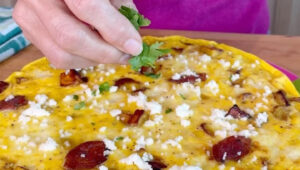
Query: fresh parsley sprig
[148, 56]
[134, 17]
[297, 84]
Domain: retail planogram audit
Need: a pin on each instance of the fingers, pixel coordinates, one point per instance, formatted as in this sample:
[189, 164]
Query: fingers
[58, 57]
[74, 36]
[110, 23]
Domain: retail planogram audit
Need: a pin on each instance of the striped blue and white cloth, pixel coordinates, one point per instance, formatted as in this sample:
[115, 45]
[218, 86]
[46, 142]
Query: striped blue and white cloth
[12, 39]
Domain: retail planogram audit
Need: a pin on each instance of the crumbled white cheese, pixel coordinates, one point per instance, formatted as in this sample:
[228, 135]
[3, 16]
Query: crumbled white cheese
[142, 142]
[135, 159]
[51, 103]
[9, 98]
[185, 167]
[219, 120]
[188, 88]
[213, 87]
[64, 134]
[68, 98]
[261, 118]
[102, 129]
[147, 157]
[154, 107]
[172, 142]
[237, 64]
[187, 72]
[205, 58]
[67, 143]
[235, 77]
[157, 120]
[185, 123]
[102, 167]
[115, 112]
[264, 168]
[222, 167]
[109, 144]
[140, 99]
[41, 99]
[224, 63]
[23, 139]
[49, 145]
[267, 92]
[35, 110]
[69, 118]
[183, 111]
[113, 89]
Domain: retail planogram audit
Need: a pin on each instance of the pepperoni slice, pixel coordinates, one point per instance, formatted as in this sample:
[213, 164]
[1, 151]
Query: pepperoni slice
[85, 156]
[122, 81]
[190, 78]
[281, 98]
[72, 78]
[237, 113]
[157, 165]
[231, 148]
[132, 119]
[3, 86]
[14, 103]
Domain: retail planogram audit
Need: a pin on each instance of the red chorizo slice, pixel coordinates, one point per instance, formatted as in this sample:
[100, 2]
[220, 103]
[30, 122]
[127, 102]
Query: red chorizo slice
[237, 113]
[71, 78]
[281, 99]
[190, 78]
[231, 148]
[132, 119]
[85, 156]
[14, 103]
[3, 86]
[122, 81]
[157, 165]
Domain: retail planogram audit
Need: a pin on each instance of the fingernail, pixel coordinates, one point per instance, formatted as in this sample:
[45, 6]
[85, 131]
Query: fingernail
[124, 59]
[133, 47]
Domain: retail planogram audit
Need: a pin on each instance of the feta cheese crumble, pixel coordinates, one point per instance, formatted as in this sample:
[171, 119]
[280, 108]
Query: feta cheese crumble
[213, 87]
[49, 145]
[135, 159]
[261, 118]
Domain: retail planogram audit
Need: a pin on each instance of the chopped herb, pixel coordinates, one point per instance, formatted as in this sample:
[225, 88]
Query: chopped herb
[104, 87]
[76, 97]
[93, 124]
[94, 92]
[148, 56]
[152, 75]
[134, 17]
[297, 84]
[119, 138]
[169, 110]
[182, 96]
[79, 106]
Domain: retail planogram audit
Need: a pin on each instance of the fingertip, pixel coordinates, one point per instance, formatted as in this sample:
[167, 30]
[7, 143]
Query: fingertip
[133, 47]
[124, 59]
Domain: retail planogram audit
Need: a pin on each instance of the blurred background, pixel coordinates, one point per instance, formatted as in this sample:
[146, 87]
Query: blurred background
[284, 14]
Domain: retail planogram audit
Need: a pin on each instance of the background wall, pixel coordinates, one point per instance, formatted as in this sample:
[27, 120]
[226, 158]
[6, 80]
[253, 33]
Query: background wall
[285, 17]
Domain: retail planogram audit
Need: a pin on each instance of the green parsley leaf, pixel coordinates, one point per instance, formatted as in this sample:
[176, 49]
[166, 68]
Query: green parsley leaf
[152, 75]
[169, 110]
[148, 56]
[182, 96]
[76, 97]
[104, 87]
[134, 17]
[297, 84]
[94, 92]
[79, 106]
[119, 138]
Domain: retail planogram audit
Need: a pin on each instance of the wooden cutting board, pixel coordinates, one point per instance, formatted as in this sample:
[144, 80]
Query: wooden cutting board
[283, 51]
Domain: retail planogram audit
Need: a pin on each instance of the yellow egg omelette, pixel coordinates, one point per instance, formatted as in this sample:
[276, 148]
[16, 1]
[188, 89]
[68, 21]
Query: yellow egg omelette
[203, 106]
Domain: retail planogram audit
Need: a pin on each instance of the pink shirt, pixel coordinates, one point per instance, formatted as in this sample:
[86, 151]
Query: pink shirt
[241, 16]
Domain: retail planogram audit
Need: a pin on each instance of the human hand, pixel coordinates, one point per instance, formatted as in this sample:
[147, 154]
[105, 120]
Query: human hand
[79, 33]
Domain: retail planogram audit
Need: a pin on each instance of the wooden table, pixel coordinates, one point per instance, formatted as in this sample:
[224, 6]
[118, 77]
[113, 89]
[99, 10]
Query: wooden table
[281, 50]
